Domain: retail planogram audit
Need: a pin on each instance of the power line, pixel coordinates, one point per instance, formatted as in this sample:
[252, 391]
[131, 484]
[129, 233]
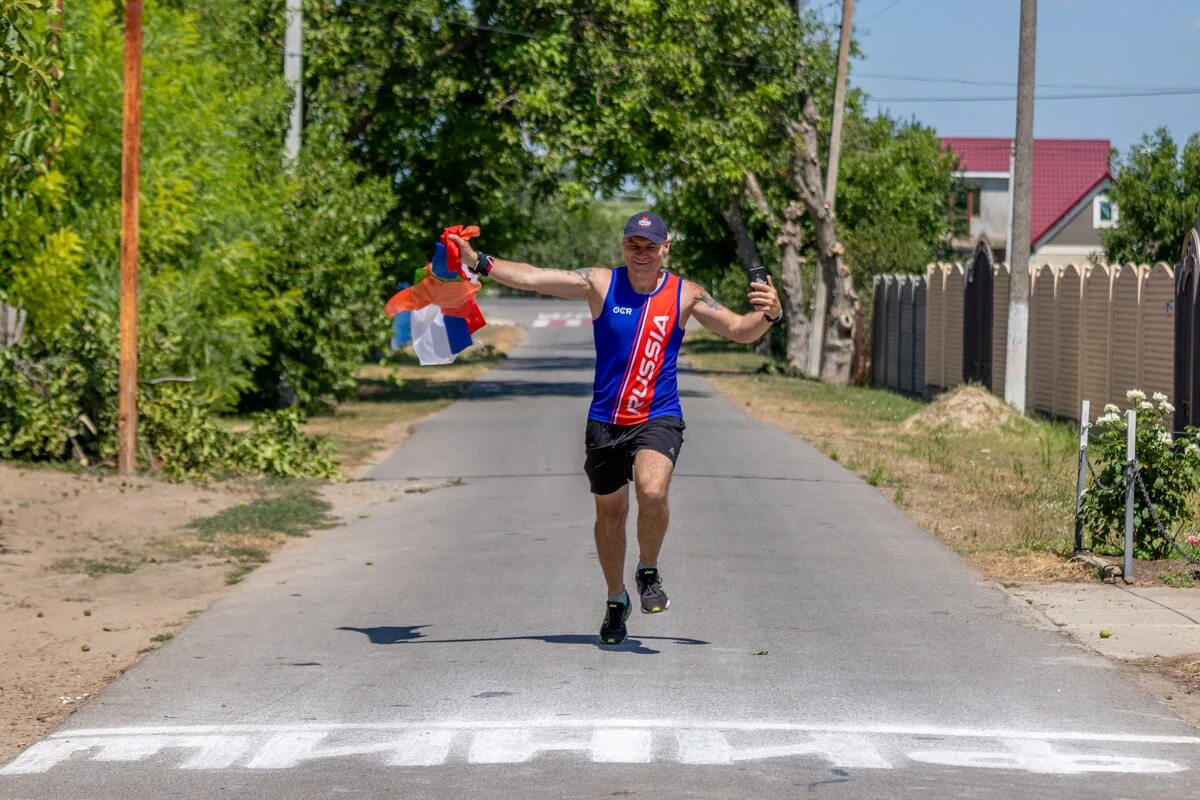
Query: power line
[881, 12]
[968, 82]
[1010, 99]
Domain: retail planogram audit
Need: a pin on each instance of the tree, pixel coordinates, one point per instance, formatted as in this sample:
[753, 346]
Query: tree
[30, 63]
[39, 256]
[1157, 194]
[694, 100]
[893, 197]
[425, 103]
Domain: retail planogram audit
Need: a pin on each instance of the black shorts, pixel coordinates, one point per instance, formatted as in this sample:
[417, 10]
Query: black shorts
[610, 449]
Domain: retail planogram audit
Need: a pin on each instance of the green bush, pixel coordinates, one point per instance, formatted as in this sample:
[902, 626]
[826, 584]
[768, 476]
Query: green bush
[185, 440]
[276, 445]
[1170, 470]
[39, 406]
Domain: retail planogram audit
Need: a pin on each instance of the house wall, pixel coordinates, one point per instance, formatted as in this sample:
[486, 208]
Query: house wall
[992, 221]
[1078, 232]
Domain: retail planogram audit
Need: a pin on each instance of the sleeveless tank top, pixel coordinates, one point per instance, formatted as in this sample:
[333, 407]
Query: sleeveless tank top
[637, 345]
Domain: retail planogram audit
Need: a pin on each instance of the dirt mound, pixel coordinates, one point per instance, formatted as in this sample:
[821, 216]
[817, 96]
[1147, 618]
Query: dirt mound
[967, 408]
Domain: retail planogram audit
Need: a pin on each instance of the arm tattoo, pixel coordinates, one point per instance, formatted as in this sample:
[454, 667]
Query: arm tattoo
[584, 275]
[707, 299]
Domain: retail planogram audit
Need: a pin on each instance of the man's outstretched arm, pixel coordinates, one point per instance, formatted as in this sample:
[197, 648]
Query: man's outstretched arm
[567, 284]
[743, 328]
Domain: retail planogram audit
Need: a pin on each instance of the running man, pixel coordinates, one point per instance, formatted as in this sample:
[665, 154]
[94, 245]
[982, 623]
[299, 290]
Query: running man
[635, 423]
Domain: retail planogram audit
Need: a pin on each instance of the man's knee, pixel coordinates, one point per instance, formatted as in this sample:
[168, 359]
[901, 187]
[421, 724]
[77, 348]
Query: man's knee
[652, 474]
[612, 507]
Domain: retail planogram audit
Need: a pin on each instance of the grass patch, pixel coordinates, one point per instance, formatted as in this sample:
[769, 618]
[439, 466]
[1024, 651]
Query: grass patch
[1001, 494]
[236, 574]
[1179, 580]
[96, 566]
[291, 509]
[244, 536]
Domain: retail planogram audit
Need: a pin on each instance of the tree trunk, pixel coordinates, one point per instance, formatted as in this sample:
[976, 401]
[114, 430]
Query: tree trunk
[12, 323]
[837, 358]
[747, 256]
[790, 239]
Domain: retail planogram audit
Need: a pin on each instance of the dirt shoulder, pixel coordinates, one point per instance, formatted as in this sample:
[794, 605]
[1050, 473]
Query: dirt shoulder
[96, 570]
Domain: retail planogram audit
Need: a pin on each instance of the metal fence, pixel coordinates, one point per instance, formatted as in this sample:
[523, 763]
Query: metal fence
[898, 330]
[1094, 332]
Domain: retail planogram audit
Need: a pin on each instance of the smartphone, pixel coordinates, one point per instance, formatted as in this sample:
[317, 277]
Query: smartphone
[758, 274]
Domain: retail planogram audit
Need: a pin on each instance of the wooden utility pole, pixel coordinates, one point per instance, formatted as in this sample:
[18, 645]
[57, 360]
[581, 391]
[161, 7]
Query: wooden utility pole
[821, 288]
[130, 175]
[1022, 178]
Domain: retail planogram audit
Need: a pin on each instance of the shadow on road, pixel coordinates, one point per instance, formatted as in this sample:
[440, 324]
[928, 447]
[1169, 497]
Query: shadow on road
[411, 635]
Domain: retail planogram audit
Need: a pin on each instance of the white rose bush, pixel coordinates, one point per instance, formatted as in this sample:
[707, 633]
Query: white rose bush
[1169, 467]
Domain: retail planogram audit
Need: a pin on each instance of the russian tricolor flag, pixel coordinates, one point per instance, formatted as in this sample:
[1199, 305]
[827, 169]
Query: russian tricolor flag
[438, 338]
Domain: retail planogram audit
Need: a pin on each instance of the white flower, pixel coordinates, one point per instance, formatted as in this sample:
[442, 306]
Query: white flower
[1158, 397]
[1166, 407]
[1192, 449]
[1164, 437]
[1135, 395]
[1109, 419]
[1111, 408]
[1145, 405]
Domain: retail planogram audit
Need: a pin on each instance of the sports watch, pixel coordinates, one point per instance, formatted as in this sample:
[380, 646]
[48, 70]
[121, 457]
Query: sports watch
[773, 320]
[483, 264]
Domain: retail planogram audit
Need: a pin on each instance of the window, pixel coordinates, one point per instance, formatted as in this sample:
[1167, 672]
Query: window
[964, 206]
[1104, 212]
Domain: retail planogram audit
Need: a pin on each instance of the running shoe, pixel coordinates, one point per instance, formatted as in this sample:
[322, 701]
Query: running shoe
[612, 628]
[649, 586]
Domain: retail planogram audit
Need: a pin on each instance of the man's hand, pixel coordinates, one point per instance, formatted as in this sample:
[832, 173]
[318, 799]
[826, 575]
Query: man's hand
[764, 298]
[466, 253]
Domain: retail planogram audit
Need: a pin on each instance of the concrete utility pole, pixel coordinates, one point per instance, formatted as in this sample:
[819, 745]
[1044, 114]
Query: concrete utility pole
[131, 147]
[293, 73]
[1018, 293]
[816, 342]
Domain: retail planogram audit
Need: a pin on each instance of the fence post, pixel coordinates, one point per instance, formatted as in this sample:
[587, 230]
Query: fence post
[1130, 477]
[1081, 482]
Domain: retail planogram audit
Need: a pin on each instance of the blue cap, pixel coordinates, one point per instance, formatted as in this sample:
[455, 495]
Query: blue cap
[648, 225]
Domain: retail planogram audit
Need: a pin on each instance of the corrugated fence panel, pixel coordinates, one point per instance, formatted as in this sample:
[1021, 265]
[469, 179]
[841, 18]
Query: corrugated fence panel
[919, 341]
[905, 381]
[891, 348]
[935, 325]
[878, 325]
[1123, 349]
[1156, 331]
[1000, 291]
[1066, 320]
[1043, 348]
[953, 367]
[1096, 334]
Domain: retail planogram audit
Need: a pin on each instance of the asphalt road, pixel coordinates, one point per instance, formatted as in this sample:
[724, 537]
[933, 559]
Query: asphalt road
[818, 644]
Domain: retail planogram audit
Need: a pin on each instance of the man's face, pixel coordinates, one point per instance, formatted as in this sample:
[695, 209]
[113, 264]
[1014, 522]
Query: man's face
[643, 255]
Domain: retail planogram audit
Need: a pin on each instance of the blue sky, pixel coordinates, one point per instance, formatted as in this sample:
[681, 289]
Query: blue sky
[1118, 44]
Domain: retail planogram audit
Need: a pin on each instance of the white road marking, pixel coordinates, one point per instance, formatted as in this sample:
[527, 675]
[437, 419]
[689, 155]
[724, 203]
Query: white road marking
[886, 730]
[561, 319]
[274, 747]
[404, 748]
[1040, 757]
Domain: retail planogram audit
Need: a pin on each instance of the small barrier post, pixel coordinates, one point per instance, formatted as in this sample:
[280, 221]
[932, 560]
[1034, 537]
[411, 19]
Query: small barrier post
[1081, 482]
[1130, 477]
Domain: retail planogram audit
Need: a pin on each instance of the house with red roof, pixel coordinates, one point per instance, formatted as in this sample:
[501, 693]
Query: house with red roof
[1071, 180]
